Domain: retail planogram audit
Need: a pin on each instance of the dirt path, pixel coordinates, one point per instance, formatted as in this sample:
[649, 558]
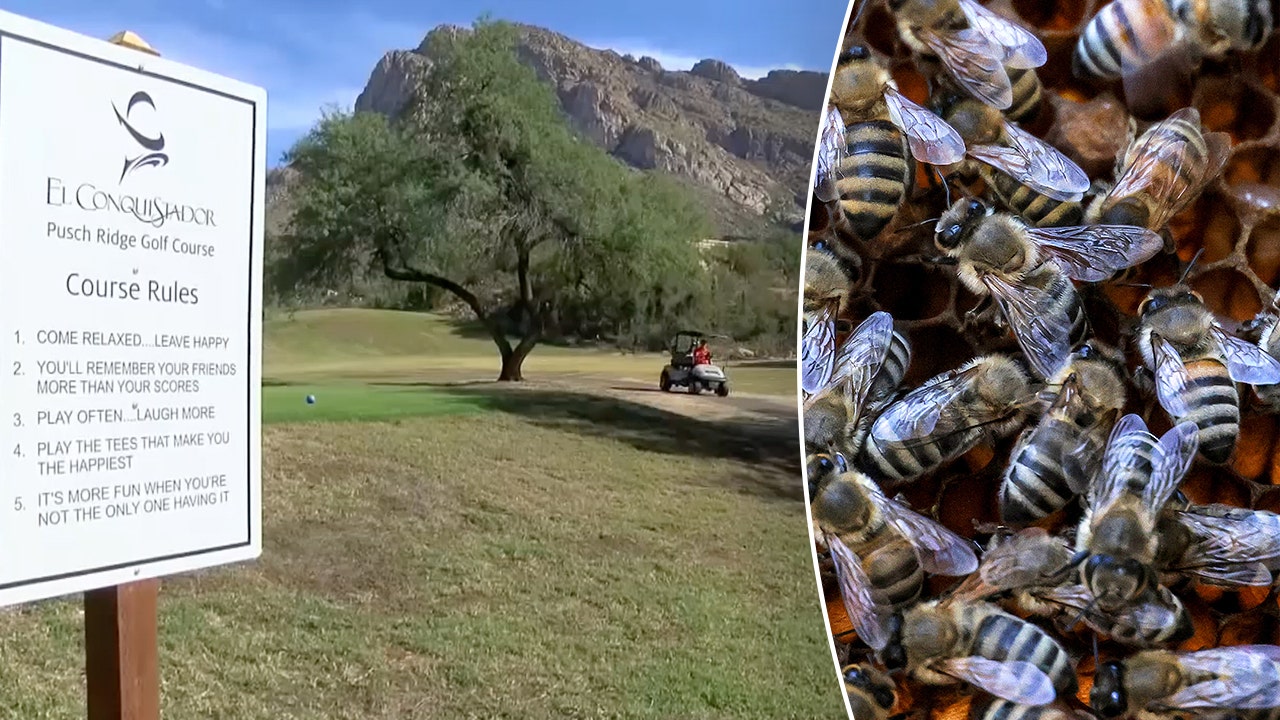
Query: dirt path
[744, 406]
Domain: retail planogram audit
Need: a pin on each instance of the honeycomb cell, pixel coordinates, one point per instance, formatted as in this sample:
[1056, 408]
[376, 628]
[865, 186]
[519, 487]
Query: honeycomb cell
[1254, 163]
[1228, 293]
[1263, 250]
[1254, 201]
[915, 292]
[1268, 63]
[1242, 111]
[878, 29]
[1056, 17]
[1255, 446]
[935, 350]
[910, 82]
[1221, 229]
[1091, 133]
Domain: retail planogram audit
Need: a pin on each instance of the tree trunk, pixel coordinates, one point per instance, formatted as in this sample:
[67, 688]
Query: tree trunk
[513, 360]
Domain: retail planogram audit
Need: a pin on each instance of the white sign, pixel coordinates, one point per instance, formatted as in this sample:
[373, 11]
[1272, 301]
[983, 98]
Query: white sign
[131, 230]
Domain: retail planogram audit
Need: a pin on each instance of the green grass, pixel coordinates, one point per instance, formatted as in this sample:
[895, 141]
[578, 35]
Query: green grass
[358, 345]
[337, 403]
[480, 551]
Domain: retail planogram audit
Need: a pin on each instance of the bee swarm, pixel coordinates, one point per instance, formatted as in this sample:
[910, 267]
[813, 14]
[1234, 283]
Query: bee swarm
[1235, 226]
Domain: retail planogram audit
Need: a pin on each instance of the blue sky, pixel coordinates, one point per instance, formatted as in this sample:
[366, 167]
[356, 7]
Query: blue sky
[312, 54]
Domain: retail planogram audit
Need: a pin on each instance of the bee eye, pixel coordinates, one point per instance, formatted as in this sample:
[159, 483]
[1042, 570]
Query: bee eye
[858, 52]
[825, 465]
[820, 245]
[1086, 352]
[975, 206]
[854, 674]
[949, 236]
[1151, 305]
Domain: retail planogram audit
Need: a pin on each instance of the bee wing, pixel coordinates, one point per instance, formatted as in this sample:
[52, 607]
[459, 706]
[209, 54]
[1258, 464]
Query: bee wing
[1229, 547]
[1012, 680]
[855, 593]
[1021, 48]
[931, 139]
[1242, 682]
[863, 353]
[831, 151]
[1178, 449]
[941, 551]
[1027, 558]
[1171, 377]
[1126, 447]
[1036, 164]
[818, 353]
[1246, 362]
[975, 63]
[1095, 252]
[928, 414]
[1043, 335]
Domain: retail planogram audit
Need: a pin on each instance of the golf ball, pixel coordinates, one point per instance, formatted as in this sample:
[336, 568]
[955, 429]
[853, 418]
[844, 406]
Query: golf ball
[311, 399]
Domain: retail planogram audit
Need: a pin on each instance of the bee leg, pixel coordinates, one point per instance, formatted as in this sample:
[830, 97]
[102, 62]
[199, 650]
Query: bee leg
[1144, 380]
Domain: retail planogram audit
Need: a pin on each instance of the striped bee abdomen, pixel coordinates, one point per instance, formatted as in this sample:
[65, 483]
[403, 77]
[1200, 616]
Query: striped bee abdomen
[1214, 406]
[1036, 209]
[902, 462]
[1122, 34]
[890, 563]
[873, 177]
[1006, 638]
[1035, 482]
[1026, 94]
[892, 370]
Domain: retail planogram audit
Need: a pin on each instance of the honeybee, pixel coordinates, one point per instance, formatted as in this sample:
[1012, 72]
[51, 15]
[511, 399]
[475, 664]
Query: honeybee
[1052, 461]
[1028, 271]
[995, 142]
[1161, 172]
[1219, 544]
[1127, 38]
[1196, 365]
[1116, 538]
[843, 384]
[827, 282]
[973, 44]
[872, 693]
[1157, 683]
[883, 132]
[881, 550]
[1033, 564]
[947, 416]
[942, 642]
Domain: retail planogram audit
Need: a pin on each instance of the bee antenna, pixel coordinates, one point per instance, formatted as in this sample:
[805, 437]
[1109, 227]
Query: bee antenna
[913, 226]
[1083, 611]
[1145, 286]
[946, 187]
[1190, 265]
[1096, 661]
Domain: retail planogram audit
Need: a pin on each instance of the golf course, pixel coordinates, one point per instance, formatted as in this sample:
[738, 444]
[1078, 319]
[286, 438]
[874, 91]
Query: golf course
[578, 545]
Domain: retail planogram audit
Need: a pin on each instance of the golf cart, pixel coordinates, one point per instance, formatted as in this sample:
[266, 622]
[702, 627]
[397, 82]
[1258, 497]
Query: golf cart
[682, 372]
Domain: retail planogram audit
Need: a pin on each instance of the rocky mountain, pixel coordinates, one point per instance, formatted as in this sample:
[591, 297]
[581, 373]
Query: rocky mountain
[745, 145]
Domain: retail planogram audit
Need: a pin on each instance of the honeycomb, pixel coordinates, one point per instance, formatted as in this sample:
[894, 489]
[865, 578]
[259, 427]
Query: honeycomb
[1235, 222]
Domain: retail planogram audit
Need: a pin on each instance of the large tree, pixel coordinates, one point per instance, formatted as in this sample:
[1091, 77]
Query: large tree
[481, 189]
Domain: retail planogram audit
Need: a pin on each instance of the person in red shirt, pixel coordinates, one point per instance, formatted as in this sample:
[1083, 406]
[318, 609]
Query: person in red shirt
[702, 354]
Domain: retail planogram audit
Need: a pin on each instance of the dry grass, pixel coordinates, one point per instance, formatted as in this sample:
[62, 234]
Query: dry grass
[499, 563]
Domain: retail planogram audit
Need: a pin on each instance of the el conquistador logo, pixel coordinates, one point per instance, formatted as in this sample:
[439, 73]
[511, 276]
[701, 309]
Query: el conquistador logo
[152, 148]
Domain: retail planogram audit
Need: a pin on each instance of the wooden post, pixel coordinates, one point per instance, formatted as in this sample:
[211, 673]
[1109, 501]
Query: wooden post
[121, 623]
[122, 652]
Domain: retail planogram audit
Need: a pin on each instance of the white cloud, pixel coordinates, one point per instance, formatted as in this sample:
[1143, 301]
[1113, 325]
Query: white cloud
[679, 61]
